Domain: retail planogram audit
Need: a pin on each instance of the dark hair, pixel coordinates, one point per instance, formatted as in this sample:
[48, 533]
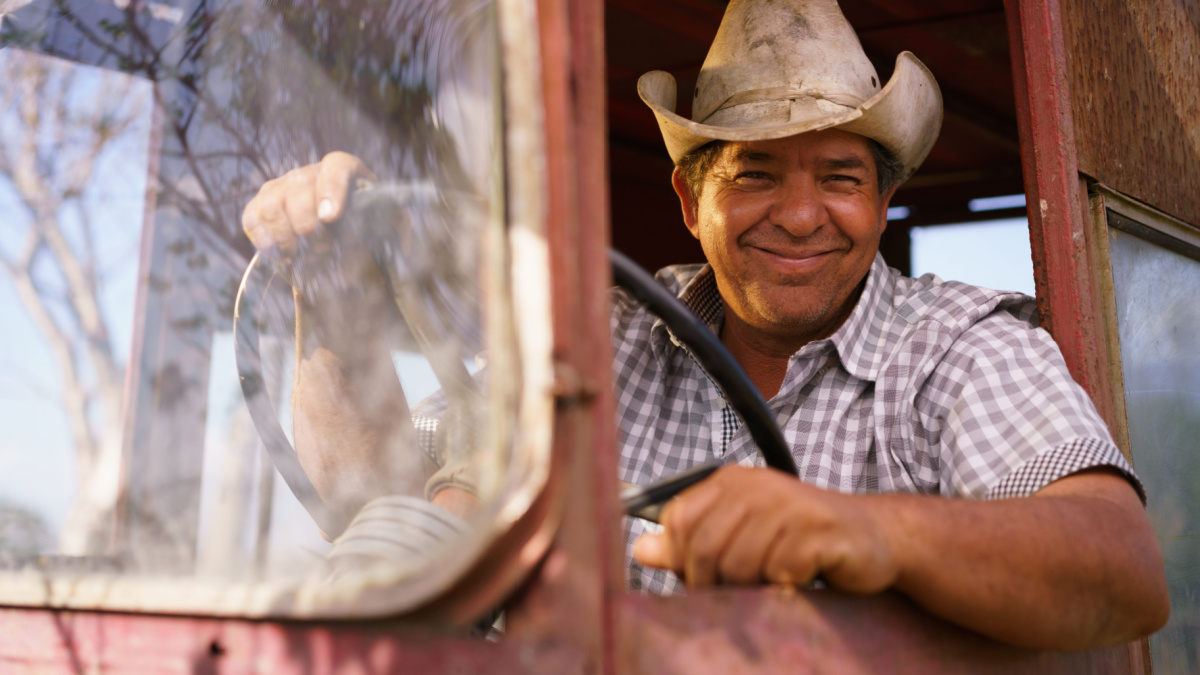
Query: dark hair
[695, 165]
[888, 167]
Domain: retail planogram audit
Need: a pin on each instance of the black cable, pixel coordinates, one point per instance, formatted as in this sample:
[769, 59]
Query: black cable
[713, 357]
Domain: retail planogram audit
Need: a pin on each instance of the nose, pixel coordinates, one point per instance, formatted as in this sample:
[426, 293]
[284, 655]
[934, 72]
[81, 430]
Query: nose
[797, 207]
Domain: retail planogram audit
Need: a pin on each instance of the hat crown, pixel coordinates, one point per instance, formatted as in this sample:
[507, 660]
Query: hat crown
[771, 51]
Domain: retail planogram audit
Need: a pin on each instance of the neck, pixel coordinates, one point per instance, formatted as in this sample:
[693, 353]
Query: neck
[764, 354]
[764, 358]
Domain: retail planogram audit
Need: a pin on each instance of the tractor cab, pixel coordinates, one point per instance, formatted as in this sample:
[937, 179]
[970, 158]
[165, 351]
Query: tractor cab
[154, 512]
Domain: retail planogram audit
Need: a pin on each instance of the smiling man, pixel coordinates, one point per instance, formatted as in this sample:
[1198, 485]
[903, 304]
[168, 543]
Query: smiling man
[944, 450]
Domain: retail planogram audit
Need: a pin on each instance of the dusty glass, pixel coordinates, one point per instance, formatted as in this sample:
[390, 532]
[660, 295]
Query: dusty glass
[1157, 293]
[132, 136]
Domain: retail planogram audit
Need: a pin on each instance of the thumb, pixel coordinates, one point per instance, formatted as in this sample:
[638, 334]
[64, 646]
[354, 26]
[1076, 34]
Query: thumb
[653, 550]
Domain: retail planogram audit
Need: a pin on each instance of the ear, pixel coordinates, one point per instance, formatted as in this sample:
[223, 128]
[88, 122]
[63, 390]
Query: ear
[686, 202]
[884, 202]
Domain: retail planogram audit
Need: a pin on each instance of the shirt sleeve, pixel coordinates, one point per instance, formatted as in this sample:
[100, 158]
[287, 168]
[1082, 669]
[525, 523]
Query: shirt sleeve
[448, 437]
[1008, 418]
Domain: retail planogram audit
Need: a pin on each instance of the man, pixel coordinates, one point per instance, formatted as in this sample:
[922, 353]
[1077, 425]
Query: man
[894, 393]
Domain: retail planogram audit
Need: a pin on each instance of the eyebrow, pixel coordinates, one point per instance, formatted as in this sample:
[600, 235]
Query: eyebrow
[748, 155]
[843, 163]
[830, 163]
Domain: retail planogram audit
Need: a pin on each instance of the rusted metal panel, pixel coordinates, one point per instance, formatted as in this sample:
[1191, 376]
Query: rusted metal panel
[767, 631]
[1134, 67]
[38, 641]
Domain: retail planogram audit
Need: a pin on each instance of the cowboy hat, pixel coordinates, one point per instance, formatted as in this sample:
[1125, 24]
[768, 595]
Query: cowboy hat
[778, 68]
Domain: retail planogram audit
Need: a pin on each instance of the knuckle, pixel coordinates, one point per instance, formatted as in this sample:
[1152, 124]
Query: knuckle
[249, 221]
[734, 570]
[339, 161]
[267, 210]
[298, 176]
[703, 556]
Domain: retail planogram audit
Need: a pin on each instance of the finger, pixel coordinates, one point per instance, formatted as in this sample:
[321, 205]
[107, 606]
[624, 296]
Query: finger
[268, 216]
[792, 559]
[299, 202]
[680, 516]
[654, 550]
[335, 175]
[745, 556]
[255, 231]
[710, 540]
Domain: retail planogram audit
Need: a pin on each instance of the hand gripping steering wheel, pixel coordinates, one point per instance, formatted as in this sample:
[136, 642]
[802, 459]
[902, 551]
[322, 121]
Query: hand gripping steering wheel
[418, 269]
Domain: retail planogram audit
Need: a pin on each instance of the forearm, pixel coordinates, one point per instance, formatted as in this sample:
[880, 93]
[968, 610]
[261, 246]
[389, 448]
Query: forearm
[353, 427]
[1057, 570]
[1076, 565]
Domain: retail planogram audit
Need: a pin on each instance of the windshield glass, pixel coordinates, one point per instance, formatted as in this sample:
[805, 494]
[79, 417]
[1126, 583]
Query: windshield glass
[369, 388]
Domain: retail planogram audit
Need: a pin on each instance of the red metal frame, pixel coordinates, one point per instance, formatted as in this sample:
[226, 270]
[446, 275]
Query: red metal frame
[1060, 236]
[1056, 198]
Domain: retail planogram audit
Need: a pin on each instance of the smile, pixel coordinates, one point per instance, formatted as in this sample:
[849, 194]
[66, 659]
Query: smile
[792, 262]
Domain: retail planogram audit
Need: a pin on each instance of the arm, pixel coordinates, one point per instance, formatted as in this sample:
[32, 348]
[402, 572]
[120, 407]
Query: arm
[353, 431]
[1074, 566]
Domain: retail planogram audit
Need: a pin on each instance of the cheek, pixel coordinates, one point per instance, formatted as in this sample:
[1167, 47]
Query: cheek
[726, 219]
[861, 222]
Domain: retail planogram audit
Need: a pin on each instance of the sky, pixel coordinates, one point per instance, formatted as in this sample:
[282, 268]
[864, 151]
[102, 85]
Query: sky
[993, 254]
[36, 460]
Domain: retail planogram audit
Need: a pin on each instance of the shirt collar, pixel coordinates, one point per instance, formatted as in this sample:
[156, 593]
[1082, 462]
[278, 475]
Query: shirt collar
[699, 294]
[859, 341]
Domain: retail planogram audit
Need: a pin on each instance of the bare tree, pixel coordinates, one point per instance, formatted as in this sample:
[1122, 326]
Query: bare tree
[242, 92]
[62, 121]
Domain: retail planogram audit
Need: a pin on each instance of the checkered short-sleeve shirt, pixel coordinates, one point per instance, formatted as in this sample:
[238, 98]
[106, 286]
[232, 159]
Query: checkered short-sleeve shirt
[929, 387]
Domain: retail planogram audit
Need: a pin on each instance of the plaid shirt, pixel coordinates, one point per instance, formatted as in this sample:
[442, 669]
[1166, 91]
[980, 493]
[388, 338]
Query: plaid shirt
[929, 387]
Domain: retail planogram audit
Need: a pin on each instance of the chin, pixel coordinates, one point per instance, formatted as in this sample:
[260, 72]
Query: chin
[793, 318]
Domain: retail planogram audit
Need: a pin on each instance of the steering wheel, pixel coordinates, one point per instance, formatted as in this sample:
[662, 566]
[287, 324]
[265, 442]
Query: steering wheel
[427, 309]
[413, 266]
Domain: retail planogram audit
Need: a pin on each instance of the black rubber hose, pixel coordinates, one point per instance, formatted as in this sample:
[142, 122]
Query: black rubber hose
[713, 357]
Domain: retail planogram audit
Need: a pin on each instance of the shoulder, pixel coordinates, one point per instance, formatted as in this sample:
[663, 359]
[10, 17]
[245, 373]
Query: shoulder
[922, 322]
[956, 306]
[961, 329]
[629, 314]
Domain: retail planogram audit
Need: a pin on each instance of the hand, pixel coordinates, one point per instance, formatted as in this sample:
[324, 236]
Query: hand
[354, 436]
[299, 203]
[749, 526]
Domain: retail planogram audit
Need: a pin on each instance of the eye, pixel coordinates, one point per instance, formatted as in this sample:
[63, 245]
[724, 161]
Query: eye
[843, 181]
[752, 176]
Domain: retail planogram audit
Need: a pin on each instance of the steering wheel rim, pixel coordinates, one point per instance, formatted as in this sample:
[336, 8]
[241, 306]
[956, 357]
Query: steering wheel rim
[369, 208]
[248, 354]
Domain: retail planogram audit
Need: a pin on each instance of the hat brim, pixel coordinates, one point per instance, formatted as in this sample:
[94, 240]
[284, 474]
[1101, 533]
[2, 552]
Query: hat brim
[905, 116]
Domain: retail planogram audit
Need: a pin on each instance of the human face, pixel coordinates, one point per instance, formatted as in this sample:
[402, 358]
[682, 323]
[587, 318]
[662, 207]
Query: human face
[790, 227]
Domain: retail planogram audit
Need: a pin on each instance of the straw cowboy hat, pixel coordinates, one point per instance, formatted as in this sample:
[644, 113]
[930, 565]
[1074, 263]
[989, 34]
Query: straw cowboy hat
[783, 67]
